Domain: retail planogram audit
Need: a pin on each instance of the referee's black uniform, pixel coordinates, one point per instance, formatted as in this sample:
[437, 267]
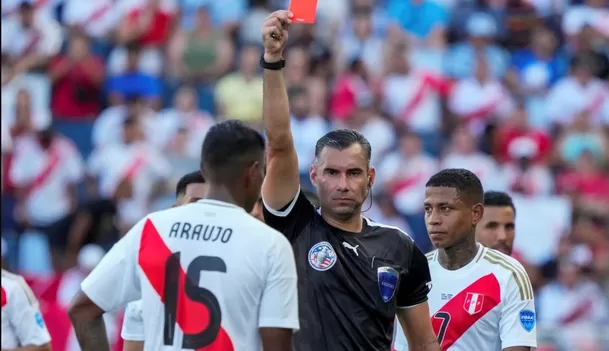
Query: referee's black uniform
[350, 284]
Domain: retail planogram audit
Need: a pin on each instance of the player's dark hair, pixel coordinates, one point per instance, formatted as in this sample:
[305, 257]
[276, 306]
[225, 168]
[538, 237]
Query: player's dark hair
[341, 139]
[466, 183]
[186, 180]
[498, 199]
[228, 148]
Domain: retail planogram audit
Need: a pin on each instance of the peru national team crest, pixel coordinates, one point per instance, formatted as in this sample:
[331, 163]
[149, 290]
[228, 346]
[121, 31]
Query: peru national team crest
[322, 256]
[473, 303]
[388, 282]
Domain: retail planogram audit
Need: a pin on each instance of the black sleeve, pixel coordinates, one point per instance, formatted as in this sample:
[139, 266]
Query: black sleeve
[293, 218]
[415, 284]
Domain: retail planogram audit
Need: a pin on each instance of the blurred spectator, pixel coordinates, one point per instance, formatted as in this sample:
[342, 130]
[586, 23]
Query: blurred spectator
[481, 35]
[239, 94]
[200, 56]
[352, 85]
[518, 127]
[403, 175]
[306, 128]
[464, 154]
[134, 82]
[96, 19]
[586, 182]
[108, 126]
[148, 25]
[481, 99]
[28, 44]
[77, 79]
[362, 44]
[412, 98]
[419, 18]
[523, 176]
[579, 92]
[297, 66]
[376, 128]
[182, 128]
[45, 166]
[133, 171]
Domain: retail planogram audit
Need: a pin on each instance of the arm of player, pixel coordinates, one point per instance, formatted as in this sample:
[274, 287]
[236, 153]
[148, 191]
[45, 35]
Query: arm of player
[413, 310]
[517, 328]
[282, 179]
[133, 327]
[112, 284]
[26, 319]
[278, 317]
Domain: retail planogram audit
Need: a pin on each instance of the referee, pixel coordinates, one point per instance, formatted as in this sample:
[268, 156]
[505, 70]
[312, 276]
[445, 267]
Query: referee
[355, 275]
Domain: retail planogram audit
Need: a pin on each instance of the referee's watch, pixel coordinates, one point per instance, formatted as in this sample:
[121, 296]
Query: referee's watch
[273, 66]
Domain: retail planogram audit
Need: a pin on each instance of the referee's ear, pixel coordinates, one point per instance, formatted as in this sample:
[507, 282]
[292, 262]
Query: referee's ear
[371, 177]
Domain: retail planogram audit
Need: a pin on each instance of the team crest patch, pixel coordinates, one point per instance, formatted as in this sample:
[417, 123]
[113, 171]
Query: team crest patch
[388, 282]
[39, 320]
[322, 256]
[473, 303]
[527, 320]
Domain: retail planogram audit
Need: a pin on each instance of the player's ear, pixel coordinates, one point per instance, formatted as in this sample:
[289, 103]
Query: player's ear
[371, 177]
[477, 213]
[313, 174]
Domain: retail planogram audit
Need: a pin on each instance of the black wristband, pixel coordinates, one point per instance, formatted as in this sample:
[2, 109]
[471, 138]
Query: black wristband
[273, 66]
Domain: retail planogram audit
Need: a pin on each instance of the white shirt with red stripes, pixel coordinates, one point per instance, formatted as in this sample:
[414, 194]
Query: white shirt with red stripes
[478, 103]
[22, 322]
[97, 18]
[139, 163]
[486, 305]
[414, 99]
[568, 98]
[43, 38]
[46, 174]
[208, 274]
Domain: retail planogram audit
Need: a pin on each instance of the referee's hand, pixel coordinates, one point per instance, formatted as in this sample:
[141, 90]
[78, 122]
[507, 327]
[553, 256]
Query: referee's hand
[275, 34]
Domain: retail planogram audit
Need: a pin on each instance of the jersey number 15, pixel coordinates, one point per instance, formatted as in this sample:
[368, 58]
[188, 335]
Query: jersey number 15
[195, 293]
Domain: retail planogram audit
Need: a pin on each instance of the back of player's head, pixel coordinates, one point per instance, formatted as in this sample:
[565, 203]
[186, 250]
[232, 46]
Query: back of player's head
[341, 139]
[466, 183]
[498, 199]
[186, 180]
[230, 147]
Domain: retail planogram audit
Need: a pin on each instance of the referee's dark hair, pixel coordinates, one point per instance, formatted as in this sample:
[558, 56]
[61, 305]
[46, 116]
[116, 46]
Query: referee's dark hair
[341, 139]
[466, 183]
[186, 180]
[228, 148]
[498, 199]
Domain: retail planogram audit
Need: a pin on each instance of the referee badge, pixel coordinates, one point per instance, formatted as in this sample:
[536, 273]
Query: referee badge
[322, 256]
[388, 282]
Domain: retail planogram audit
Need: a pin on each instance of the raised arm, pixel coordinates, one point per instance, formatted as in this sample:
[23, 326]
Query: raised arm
[282, 176]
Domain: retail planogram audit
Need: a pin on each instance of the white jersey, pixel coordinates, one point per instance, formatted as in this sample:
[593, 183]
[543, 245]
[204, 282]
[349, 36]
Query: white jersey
[486, 305]
[22, 323]
[133, 323]
[208, 274]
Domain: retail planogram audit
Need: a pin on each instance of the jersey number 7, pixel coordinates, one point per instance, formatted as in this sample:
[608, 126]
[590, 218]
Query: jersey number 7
[445, 318]
[174, 293]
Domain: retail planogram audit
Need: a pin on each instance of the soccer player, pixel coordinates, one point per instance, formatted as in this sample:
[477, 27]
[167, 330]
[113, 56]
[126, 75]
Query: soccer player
[481, 299]
[497, 228]
[354, 274]
[23, 328]
[190, 188]
[208, 273]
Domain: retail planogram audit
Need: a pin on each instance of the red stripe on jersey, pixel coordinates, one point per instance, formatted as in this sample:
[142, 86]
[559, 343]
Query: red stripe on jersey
[3, 297]
[460, 319]
[192, 317]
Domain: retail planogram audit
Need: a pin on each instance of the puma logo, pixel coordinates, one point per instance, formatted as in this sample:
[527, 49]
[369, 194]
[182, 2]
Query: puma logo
[350, 247]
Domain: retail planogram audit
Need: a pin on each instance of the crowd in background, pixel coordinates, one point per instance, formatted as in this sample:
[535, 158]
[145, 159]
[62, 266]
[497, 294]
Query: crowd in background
[105, 104]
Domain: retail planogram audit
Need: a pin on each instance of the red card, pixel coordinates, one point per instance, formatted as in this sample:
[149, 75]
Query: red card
[303, 10]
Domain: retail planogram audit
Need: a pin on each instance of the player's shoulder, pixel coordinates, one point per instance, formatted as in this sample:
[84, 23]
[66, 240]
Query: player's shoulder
[510, 273]
[15, 283]
[391, 232]
[12, 280]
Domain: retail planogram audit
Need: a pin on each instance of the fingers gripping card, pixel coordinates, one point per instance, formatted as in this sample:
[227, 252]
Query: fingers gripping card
[304, 10]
